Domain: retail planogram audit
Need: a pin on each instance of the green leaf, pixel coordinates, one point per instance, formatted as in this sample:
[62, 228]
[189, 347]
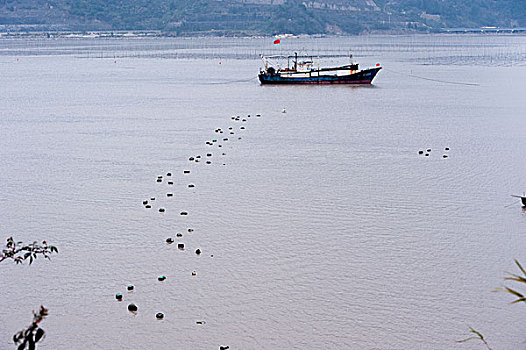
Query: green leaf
[514, 292]
[520, 267]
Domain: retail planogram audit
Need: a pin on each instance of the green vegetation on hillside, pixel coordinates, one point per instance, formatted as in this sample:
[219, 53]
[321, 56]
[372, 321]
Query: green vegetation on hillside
[262, 16]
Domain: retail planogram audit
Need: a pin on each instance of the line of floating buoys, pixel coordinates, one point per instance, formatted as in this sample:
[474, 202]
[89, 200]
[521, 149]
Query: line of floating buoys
[168, 177]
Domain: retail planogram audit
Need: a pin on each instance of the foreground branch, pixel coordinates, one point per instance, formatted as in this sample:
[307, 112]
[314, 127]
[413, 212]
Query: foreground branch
[19, 252]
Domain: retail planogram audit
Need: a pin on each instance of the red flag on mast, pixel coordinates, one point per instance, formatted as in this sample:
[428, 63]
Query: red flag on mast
[277, 41]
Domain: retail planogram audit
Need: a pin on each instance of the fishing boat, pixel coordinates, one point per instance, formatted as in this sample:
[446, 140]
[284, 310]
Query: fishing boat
[523, 199]
[303, 71]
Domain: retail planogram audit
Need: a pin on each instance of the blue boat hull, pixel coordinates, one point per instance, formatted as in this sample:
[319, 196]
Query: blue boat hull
[365, 76]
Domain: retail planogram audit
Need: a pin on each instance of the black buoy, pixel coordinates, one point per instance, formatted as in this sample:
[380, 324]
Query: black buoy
[209, 154]
[159, 315]
[444, 156]
[159, 180]
[208, 162]
[169, 194]
[168, 174]
[243, 120]
[152, 198]
[225, 139]
[186, 172]
[447, 148]
[147, 206]
[226, 347]
[427, 154]
[184, 213]
[191, 185]
[170, 182]
[198, 251]
[180, 246]
[190, 230]
[144, 202]
[130, 287]
[169, 240]
[132, 307]
[161, 210]
[118, 296]
[242, 128]
[161, 278]
[420, 152]
[429, 150]
[191, 158]
[179, 234]
[194, 273]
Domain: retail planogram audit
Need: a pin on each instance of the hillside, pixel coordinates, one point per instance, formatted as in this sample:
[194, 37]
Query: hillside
[260, 16]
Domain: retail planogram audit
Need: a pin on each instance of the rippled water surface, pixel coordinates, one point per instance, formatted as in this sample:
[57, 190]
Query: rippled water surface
[321, 228]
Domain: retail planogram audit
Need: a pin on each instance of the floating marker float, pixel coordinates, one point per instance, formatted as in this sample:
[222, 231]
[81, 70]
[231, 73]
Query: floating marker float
[169, 240]
[161, 278]
[130, 287]
[159, 315]
[118, 296]
[132, 307]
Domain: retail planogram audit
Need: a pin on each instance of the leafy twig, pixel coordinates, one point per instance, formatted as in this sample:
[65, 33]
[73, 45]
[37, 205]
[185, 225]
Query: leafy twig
[32, 334]
[19, 252]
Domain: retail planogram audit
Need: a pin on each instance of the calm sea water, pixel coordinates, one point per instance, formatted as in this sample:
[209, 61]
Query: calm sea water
[321, 228]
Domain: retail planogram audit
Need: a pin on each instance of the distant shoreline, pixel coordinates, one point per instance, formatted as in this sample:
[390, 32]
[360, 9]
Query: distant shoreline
[78, 34]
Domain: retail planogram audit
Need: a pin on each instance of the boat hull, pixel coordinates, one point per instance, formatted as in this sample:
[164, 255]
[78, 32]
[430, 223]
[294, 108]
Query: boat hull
[365, 76]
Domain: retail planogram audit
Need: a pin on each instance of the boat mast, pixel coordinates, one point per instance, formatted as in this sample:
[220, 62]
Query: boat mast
[295, 60]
